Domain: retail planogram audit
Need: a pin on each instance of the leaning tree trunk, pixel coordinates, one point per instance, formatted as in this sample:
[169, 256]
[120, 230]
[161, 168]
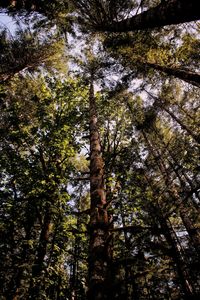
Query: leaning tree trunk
[187, 76]
[166, 13]
[99, 252]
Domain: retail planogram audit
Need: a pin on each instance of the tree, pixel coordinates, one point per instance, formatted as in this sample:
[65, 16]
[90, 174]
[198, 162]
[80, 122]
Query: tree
[102, 16]
[27, 52]
[99, 170]
[185, 75]
[165, 13]
[99, 258]
[36, 165]
[156, 55]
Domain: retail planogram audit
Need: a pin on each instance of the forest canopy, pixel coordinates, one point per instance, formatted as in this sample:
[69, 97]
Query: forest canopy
[99, 142]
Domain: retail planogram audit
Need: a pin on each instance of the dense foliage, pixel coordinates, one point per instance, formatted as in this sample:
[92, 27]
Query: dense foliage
[99, 139]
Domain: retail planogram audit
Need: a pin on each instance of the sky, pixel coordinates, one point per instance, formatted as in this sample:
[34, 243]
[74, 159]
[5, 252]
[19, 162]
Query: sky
[6, 21]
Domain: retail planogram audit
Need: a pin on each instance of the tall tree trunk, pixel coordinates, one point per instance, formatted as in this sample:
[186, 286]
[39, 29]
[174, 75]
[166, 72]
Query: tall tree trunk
[190, 77]
[99, 254]
[166, 13]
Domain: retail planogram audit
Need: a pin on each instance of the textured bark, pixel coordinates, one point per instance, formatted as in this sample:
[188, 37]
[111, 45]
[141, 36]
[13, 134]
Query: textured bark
[98, 197]
[187, 76]
[166, 13]
[99, 254]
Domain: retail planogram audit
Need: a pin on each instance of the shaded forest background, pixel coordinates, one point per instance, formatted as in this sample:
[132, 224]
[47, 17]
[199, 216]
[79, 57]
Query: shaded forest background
[99, 141]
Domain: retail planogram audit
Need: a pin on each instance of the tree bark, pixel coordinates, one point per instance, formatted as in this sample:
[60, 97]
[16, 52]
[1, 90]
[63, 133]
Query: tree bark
[99, 254]
[166, 13]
